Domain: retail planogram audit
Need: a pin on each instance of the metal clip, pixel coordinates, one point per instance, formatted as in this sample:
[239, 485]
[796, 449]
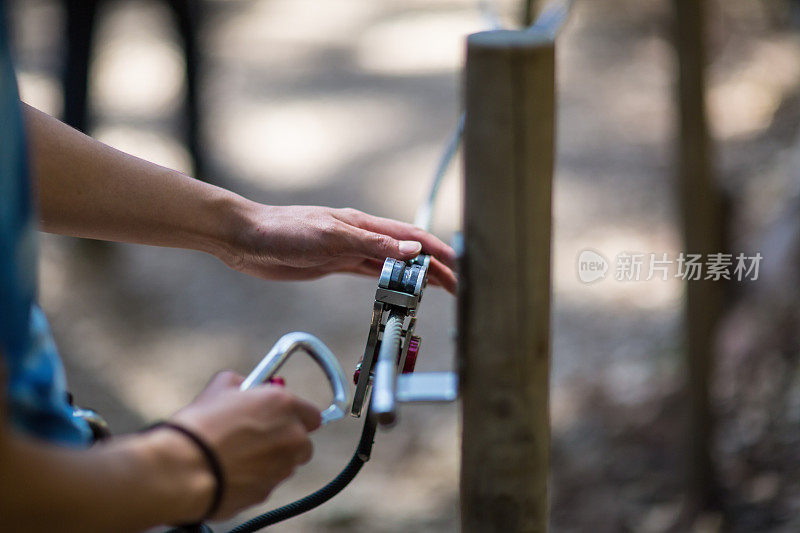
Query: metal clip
[288, 345]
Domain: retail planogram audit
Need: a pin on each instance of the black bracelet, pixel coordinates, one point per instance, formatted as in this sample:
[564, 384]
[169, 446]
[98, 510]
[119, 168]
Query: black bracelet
[211, 458]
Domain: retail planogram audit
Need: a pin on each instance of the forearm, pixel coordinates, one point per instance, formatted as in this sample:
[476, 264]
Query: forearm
[128, 485]
[88, 189]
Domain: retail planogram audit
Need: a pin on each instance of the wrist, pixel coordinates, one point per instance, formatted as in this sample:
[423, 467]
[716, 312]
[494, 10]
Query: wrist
[183, 482]
[233, 221]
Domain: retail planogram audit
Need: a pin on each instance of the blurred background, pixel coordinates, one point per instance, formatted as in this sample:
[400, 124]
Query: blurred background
[348, 103]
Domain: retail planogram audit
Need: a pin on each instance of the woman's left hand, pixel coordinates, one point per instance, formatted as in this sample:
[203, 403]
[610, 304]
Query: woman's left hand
[307, 242]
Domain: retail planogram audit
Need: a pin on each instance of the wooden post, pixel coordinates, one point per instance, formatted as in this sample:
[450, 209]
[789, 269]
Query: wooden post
[504, 306]
[702, 212]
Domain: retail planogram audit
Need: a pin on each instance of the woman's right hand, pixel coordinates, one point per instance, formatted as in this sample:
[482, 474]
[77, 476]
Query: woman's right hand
[259, 435]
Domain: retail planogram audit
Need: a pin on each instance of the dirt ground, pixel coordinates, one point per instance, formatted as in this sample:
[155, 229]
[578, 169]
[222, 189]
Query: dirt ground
[347, 103]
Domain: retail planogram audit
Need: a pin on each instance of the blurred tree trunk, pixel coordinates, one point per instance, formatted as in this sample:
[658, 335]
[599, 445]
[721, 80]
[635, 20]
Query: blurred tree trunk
[701, 208]
[530, 10]
[81, 15]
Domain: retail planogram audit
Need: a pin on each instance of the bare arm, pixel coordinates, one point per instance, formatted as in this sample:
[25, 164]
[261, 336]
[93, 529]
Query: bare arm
[159, 477]
[88, 189]
[129, 485]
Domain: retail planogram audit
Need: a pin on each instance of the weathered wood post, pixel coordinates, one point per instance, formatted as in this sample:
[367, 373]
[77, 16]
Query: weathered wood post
[504, 307]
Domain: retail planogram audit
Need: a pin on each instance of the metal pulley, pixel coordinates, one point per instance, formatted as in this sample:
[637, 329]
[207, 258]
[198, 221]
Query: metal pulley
[392, 348]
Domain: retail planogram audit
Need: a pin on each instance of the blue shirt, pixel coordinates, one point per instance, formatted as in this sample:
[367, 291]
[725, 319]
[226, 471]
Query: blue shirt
[36, 385]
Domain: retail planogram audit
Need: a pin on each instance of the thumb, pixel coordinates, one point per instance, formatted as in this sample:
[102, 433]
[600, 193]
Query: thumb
[409, 249]
[221, 381]
[385, 246]
[379, 246]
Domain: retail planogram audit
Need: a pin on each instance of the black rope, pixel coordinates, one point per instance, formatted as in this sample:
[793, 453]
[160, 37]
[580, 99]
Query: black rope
[324, 494]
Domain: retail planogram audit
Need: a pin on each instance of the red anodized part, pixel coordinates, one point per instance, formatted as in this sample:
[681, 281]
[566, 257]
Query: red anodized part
[411, 356]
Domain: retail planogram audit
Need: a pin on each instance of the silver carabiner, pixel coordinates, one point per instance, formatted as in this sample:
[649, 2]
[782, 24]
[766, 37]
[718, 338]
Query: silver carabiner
[285, 347]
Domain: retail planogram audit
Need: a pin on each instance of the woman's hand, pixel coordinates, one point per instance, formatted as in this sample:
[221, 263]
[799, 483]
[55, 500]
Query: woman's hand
[260, 436]
[307, 242]
[136, 482]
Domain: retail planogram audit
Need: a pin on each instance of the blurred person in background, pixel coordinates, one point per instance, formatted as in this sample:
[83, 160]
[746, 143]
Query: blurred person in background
[227, 449]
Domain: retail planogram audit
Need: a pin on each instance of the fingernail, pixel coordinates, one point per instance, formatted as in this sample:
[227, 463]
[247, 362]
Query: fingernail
[410, 247]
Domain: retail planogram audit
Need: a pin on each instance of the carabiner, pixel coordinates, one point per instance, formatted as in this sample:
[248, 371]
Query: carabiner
[284, 348]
